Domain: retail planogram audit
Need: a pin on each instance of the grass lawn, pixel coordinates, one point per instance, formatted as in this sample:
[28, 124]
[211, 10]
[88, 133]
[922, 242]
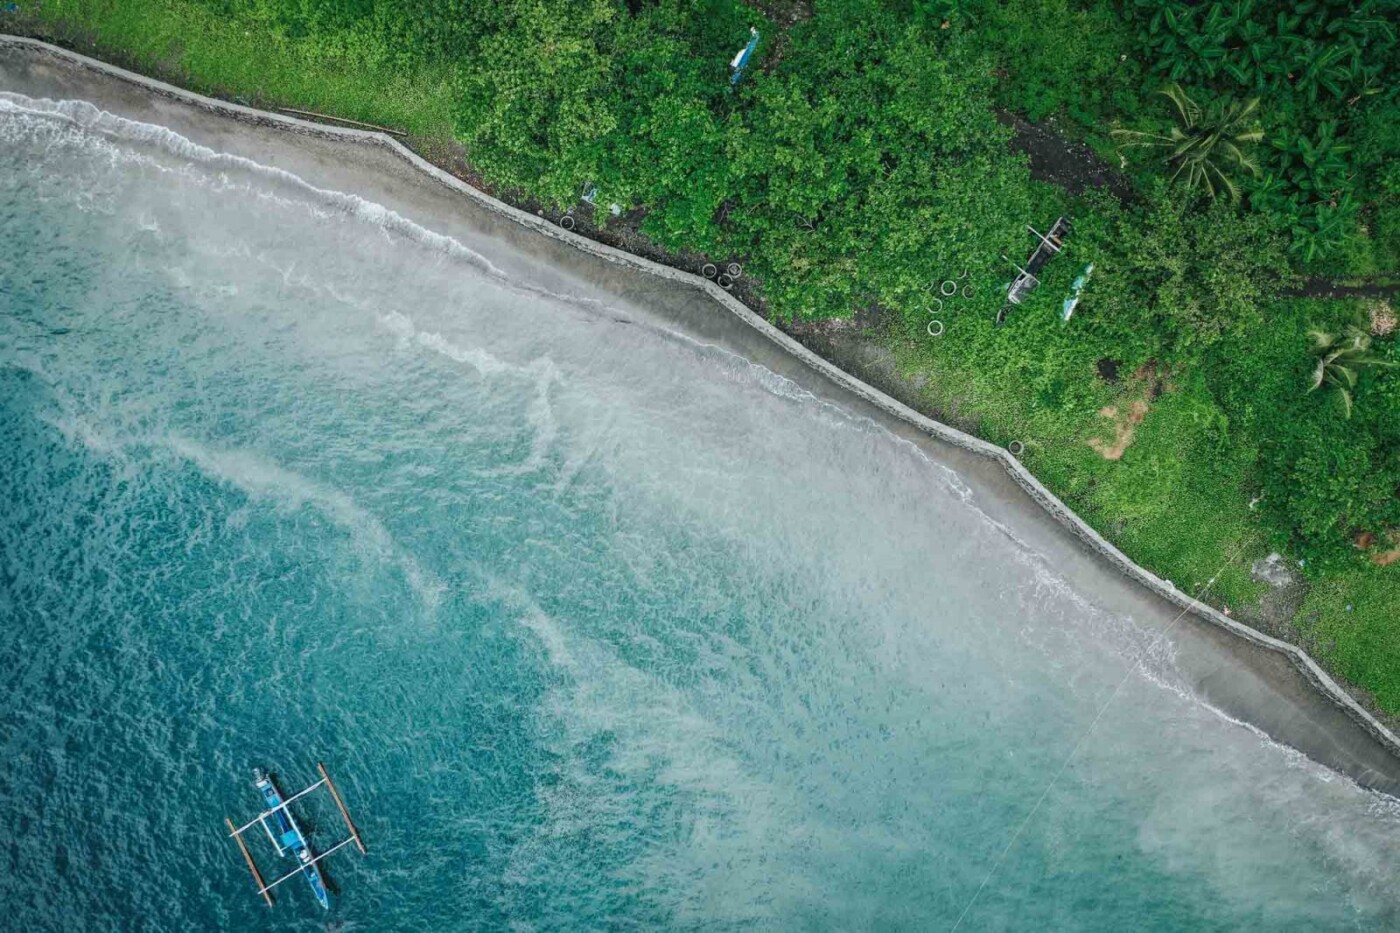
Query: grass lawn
[195, 47]
[1350, 625]
[1177, 501]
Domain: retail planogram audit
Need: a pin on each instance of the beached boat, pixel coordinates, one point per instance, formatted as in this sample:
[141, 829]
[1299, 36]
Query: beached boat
[282, 829]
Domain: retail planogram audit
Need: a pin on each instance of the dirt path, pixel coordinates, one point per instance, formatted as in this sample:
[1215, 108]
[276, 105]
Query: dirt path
[1322, 288]
[1059, 161]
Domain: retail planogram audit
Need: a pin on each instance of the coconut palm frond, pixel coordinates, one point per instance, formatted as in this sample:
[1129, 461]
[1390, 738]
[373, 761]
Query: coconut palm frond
[1318, 376]
[1208, 171]
[1139, 138]
[1186, 108]
[1228, 185]
[1345, 396]
[1204, 142]
[1340, 359]
[1239, 158]
[1246, 112]
[1182, 167]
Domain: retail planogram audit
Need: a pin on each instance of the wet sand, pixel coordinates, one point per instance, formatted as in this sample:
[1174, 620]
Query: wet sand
[1246, 675]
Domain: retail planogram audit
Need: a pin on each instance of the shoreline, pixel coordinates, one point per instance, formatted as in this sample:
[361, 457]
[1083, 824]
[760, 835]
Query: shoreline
[1248, 675]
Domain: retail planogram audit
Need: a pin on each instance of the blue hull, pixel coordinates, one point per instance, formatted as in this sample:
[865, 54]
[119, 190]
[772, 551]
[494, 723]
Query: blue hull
[290, 837]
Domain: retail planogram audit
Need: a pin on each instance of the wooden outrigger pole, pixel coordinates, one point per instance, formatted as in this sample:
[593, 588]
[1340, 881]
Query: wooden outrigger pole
[252, 865]
[335, 795]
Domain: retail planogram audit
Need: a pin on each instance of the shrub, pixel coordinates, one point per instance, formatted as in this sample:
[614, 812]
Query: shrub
[1059, 55]
[1341, 356]
[1322, 69]
[869, 162]
[1176, 277]
[537, 106]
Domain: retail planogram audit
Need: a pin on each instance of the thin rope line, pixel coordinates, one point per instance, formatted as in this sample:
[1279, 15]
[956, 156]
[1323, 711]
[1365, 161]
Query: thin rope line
[1132, 668]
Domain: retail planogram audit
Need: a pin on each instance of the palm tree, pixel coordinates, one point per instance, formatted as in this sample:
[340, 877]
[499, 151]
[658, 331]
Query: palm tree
[1339, 356]
[1205, 145]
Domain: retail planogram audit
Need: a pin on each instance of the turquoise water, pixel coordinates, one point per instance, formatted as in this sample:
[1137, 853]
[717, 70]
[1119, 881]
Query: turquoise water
[597, 626]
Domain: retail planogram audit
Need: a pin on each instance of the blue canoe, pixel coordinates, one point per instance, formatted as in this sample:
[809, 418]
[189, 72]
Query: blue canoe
[289, 837]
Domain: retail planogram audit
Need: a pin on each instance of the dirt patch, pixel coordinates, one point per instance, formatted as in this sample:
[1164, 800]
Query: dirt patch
[1386, 558]
[1124, 425]
[1061, 161]
[784, 13]
[1158, 379]
[1366, 540]
[1148, 382]
[1283, 596]
[1382, 317]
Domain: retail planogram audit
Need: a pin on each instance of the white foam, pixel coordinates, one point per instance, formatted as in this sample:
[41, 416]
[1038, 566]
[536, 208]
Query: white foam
[92, 119]
[542, 372]
[258, 477]
[654, 732]
[97, 125]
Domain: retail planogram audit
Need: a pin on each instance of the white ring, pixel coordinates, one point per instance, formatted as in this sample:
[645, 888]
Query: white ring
[735, 270]
[948, 292]
[567, 221]
[1016, 448]
[709, 270]
[968, 291]
[725, 281]
[930, 330]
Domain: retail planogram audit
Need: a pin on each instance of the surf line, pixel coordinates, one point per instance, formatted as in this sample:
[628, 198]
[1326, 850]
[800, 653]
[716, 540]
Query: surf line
[1074, 752]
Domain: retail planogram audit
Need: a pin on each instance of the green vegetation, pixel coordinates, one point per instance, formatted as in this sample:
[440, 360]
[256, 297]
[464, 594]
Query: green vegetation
[861, 162]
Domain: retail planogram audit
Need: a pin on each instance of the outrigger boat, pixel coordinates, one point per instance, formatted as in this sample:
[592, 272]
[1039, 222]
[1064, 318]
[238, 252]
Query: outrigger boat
[287, 838]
